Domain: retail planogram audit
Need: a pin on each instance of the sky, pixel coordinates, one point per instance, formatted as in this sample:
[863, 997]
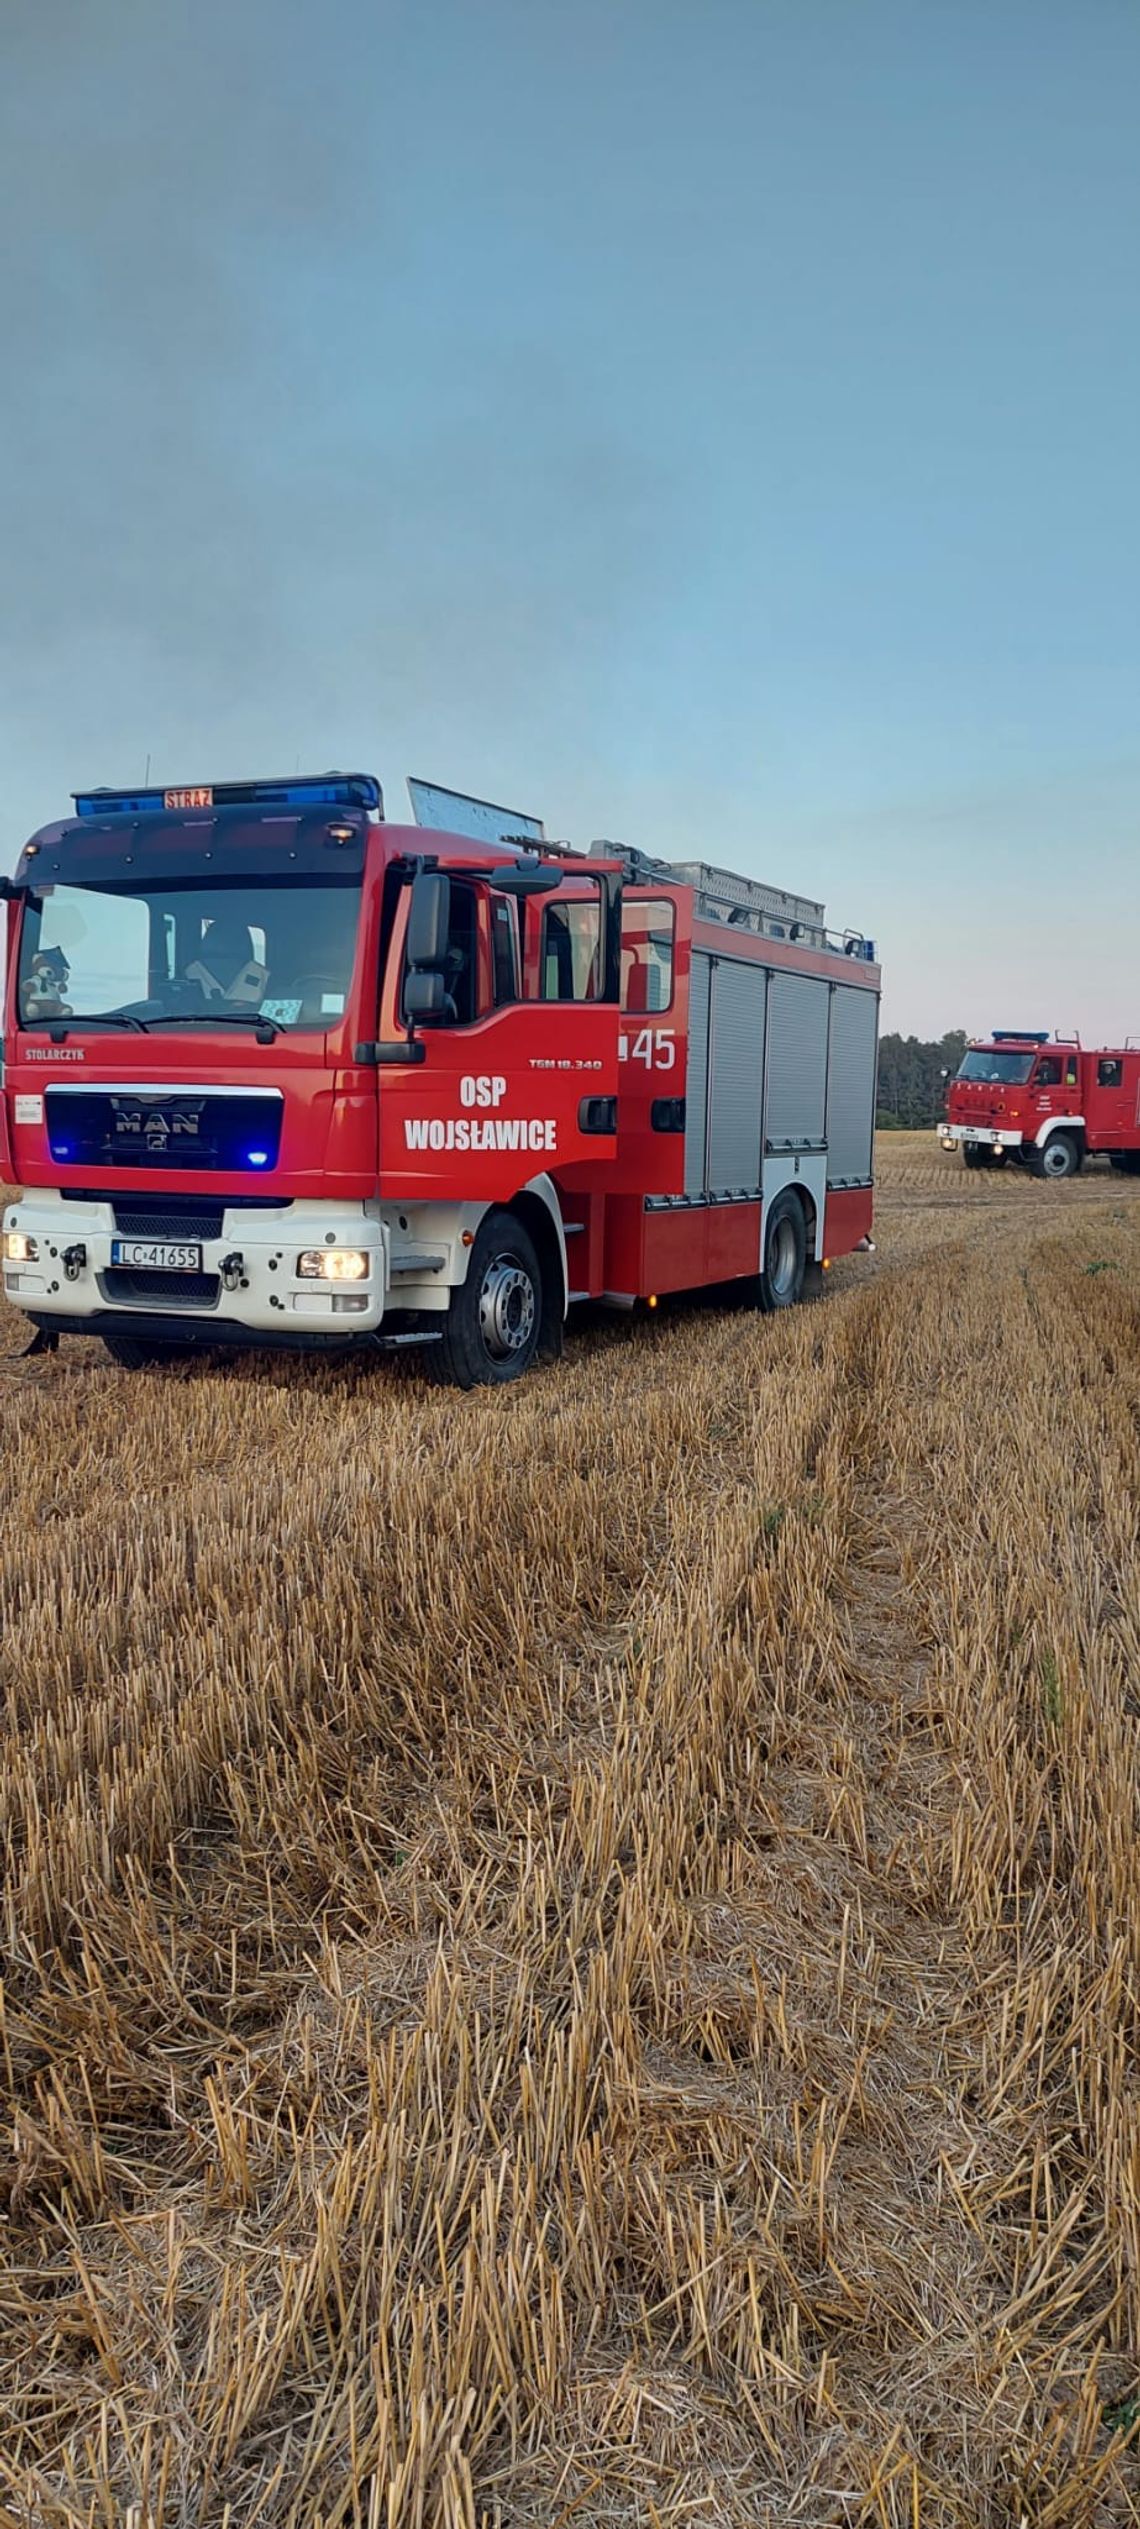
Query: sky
[710, 424]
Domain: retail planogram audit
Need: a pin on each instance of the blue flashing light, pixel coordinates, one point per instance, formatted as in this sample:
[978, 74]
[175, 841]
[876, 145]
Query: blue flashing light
[321, 790]
[61, 1150]
[258, 1158]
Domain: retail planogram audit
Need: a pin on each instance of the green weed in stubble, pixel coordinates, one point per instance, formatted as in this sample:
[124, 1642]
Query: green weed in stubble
[1051, 1695]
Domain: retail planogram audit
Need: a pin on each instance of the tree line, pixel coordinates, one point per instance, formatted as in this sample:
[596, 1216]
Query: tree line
[912, 1079]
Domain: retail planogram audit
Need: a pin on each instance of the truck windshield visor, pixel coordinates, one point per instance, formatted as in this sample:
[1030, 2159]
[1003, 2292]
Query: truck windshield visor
[282, 948]
[981, 1064]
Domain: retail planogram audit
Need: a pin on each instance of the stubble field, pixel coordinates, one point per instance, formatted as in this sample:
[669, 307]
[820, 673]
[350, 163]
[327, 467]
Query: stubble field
[572, 1956]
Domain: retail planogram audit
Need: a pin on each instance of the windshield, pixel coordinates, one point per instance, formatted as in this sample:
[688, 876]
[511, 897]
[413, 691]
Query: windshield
[983, 1063]
[281, 948]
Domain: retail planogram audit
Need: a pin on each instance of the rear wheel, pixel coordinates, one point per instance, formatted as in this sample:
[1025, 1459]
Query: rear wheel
[1060, 1157]
[1126, 1162]
[491, 1333]
[141, 1352]
[785, 1253]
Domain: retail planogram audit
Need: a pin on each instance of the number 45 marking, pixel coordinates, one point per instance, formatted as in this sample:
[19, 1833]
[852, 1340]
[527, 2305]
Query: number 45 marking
[656, 1047]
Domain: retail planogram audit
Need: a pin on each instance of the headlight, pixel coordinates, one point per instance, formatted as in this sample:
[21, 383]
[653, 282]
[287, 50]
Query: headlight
[19, 1248]
[334, 1264]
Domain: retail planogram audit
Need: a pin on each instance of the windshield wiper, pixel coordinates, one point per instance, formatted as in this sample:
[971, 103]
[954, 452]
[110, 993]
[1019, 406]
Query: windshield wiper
[57, 1028]
[267, 1029]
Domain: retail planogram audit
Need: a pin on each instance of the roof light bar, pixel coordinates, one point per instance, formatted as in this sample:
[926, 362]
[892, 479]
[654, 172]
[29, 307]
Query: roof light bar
[319, 790]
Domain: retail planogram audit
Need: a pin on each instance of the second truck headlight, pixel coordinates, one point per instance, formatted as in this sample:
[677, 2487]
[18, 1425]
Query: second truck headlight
[334, 1264]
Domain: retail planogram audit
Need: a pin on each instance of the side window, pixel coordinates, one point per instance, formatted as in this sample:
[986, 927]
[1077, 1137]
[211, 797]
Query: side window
[646, 954]
[1108, 1074]
[504, 951]
[1048, 1072]
[1071, 1072]
[571, 944]
[461, 961]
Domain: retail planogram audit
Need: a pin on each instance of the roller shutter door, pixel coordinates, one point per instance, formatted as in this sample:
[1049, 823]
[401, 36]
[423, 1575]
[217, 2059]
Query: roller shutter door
[797, 1061]
[851, 1085]
[736, 1095]
[697, 1074]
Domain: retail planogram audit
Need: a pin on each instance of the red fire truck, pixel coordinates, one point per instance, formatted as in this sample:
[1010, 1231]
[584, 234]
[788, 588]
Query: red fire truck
[276, 1071]
[1047, 1102]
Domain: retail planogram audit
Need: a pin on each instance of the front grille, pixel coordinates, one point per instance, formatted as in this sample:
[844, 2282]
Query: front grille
[165, 1128]
[189, 1290]
[169, 1219]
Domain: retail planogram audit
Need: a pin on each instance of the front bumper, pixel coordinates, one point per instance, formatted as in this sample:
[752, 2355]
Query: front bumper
[951, 1134]
[249, 1284]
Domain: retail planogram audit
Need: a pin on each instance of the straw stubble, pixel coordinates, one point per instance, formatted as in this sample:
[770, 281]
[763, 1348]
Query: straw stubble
[571, 1955]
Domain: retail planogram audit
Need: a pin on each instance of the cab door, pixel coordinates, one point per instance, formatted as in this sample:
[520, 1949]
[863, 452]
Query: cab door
[8, 1002]
[518, 1071]
[1055, 1088]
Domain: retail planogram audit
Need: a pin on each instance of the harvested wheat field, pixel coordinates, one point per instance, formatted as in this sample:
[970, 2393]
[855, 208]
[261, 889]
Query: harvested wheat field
[572, 1955]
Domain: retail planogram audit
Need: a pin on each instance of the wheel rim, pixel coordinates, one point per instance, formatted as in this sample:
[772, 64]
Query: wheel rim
[782, 1258]
[506, 1308]
[1056, 1160]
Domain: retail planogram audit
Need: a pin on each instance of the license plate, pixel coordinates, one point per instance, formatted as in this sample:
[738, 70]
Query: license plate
[157, 1255]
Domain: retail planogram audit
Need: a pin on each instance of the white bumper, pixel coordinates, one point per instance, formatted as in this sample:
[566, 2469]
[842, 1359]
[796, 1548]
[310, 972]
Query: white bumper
[248, 1280]
[951, 1134]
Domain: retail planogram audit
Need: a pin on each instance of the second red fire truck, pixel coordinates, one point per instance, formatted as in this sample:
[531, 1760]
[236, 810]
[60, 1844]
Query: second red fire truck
[276, 1071]
[1047, 1102]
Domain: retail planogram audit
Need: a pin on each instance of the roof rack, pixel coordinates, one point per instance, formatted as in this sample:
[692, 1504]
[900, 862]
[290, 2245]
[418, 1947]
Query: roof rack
[723, 896]
[744, 904]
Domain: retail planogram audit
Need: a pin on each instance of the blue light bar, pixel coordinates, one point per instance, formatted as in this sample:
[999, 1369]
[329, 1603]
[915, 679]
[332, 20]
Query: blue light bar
[319, 790]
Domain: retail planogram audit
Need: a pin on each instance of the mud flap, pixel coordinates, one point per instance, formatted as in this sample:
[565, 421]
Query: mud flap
[44, 1340]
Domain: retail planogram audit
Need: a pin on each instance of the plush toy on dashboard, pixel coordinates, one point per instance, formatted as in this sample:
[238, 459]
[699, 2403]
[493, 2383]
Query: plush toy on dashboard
[42, 993]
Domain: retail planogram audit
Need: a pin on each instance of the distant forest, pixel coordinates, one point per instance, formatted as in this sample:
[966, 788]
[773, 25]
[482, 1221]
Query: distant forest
[912, 1079]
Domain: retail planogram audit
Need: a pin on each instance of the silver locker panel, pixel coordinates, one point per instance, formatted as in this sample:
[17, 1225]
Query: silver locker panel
[851, 1085]
[696, 1076]
[736, 1093]
[797, 1060]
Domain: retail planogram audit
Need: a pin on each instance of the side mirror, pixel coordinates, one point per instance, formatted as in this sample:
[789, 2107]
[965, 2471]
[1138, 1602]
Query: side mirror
[425, 993]
[429, 918]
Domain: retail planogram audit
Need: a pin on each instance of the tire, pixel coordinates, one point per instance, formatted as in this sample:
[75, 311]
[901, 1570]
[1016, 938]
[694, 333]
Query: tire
[1060, 1156]
[972, 1154]
[785, 1253]
[494, 1323]
[1126, 1162]
[141, 1352]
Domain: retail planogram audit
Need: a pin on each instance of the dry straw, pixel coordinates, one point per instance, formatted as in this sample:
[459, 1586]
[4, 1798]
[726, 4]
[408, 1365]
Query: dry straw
[572, 1956]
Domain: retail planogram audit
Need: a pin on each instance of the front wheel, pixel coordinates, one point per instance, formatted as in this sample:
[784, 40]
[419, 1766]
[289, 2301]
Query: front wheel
[492, 1329]
[785, 1253]
[1060, 1157]
[972, 1154]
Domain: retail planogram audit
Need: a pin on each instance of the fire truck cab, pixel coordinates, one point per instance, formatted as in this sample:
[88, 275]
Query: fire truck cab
[278, 1072]
[1046, 1102]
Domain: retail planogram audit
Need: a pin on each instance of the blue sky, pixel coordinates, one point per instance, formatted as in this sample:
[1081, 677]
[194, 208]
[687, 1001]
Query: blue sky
[709, 425]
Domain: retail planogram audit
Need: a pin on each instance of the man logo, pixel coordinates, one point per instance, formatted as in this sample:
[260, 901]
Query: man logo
[153, 1126]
